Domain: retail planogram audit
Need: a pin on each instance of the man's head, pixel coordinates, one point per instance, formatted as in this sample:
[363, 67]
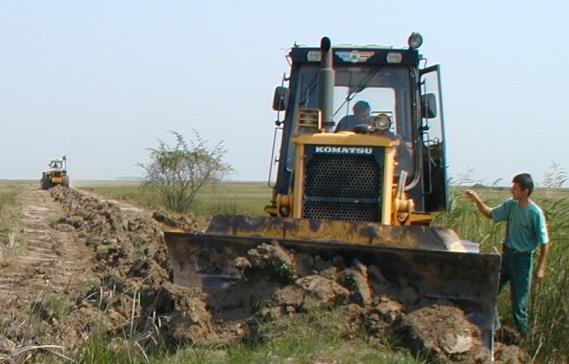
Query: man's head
[362, 111]
[522, 186]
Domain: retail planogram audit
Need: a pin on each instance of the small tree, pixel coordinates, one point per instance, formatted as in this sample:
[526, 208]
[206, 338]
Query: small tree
[178, 172]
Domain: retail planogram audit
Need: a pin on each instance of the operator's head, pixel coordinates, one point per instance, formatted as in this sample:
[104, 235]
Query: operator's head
[522, 184]
[362, 111]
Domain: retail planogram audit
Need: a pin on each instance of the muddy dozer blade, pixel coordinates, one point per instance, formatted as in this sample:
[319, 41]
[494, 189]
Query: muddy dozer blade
[430, 259]
[202, 260]
[470, 280]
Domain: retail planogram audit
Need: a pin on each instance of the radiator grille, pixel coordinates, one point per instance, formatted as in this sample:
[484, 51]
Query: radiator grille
[342, 187]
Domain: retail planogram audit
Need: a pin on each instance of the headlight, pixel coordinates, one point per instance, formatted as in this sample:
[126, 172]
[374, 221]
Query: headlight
[415, 40]
[394, 57]
[381, 121]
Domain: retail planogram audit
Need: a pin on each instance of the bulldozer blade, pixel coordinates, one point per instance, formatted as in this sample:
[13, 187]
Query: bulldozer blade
[206, 261]
[348, 232]
[426, 258]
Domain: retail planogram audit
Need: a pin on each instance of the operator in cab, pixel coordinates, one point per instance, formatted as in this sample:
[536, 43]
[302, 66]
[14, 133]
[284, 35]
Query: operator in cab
[361, 115]
[362, 122]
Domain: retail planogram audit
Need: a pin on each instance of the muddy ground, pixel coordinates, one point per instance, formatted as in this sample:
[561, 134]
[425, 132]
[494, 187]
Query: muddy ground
[90, 266]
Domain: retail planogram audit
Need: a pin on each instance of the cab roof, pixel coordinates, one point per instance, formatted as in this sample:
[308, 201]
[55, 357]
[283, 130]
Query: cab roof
[363, 55]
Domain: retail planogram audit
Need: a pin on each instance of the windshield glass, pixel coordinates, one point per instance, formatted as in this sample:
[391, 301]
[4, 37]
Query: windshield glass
[55, 164]
[385, 89]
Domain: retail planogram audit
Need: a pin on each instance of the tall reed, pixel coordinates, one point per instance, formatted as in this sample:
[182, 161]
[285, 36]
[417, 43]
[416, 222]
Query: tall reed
[549, 300]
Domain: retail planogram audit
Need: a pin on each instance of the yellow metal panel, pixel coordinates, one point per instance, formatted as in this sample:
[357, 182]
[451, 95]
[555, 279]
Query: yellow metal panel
[298, 193]
[339, 139]
[389, 165]
[345, 232]
[346, 138]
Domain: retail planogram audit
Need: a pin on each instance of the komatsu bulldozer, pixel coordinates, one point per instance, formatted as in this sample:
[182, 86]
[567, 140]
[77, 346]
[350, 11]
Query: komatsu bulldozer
[366, 193]
[55, 175]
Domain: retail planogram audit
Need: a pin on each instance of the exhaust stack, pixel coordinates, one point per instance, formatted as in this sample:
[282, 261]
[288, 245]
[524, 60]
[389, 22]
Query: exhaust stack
[326, 85]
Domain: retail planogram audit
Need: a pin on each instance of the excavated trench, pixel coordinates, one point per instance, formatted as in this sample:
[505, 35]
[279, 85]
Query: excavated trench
[92, 266]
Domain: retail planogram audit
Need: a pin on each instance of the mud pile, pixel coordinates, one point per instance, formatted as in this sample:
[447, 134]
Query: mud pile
[134, 293]
[130, 246]
[133, 299]
[277, 283]
[131, 296]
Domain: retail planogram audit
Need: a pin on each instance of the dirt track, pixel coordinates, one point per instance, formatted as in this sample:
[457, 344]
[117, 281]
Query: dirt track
[51, 260]
[80, 263]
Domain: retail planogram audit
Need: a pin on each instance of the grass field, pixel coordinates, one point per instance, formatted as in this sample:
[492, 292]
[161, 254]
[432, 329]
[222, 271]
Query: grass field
[246, 198]
[549, 302]
[9, 208]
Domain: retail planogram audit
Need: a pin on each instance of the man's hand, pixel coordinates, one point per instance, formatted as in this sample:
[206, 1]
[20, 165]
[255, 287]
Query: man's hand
[472, 195]
[540, 274]
[543, 253]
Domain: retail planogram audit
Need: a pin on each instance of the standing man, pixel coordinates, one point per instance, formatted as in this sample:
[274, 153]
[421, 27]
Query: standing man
[525, 231]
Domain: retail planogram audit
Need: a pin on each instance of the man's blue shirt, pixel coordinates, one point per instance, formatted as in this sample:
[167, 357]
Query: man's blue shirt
[526, 225]
[348, 123]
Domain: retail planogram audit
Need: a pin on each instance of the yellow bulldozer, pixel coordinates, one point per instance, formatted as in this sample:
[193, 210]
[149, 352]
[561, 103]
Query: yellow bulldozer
[366, 193]
[55, 175]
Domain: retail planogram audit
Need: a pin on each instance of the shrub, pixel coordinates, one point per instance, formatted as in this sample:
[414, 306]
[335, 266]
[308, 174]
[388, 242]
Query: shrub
[178, 172]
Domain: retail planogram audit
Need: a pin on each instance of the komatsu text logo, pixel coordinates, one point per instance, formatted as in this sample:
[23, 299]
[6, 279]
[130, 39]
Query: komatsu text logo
[343, 150]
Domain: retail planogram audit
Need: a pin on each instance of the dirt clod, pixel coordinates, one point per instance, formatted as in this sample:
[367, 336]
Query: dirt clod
[356, 280]
[322, 292]
[6, 345]
[510, 354]
[268, 261]
[508, 335]
[179, 222]
[441, 332]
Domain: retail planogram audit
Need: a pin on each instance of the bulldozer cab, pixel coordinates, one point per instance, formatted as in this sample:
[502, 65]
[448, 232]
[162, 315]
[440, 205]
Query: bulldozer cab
[405, 107]
[56, 164]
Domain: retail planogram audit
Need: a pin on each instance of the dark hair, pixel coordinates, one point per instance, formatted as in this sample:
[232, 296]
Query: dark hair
[361, 106]
[525, 181]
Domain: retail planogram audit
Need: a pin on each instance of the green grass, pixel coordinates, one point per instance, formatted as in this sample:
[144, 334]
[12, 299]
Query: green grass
[9, 195]
[247, 198]
[104, 350]
[53, 307]
[234, 198]
[310, 338]
[315, 337]
[10, 206]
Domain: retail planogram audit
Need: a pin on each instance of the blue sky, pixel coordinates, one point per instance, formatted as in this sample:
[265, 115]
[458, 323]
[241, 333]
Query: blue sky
[101, 81]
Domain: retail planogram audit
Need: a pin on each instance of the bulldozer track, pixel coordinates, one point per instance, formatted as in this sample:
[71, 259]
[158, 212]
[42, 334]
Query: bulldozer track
[49, 259]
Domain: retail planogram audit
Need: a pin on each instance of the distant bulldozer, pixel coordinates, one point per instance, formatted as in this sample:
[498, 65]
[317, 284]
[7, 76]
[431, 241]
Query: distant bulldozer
[56, 175]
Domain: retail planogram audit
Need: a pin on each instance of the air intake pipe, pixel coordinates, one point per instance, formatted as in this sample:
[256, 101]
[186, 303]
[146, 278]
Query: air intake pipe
[326, 85]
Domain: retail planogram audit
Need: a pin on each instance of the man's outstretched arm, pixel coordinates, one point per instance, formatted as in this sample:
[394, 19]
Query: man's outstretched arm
[482, 207]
